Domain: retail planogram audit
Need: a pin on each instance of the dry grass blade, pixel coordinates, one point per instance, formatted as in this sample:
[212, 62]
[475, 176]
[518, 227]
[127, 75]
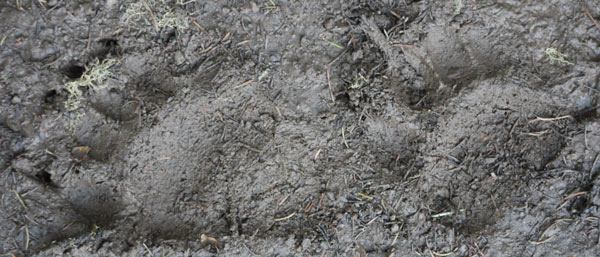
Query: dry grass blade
[317, 154]
[20, 199]
[26, 238]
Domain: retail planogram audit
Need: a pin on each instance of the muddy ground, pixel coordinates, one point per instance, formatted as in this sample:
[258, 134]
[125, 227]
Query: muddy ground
[299, 128]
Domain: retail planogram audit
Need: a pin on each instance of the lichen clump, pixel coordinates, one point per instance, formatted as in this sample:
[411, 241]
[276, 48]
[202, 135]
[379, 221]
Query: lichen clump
[92, 78]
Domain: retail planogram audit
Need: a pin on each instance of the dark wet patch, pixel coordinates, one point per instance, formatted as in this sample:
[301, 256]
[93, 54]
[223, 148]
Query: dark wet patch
[73, 71]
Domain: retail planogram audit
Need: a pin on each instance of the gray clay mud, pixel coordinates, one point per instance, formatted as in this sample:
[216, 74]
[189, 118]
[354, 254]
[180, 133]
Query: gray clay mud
[299, 128]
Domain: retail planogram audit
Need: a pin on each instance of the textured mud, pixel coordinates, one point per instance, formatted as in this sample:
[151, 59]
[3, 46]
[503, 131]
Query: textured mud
[300, 128]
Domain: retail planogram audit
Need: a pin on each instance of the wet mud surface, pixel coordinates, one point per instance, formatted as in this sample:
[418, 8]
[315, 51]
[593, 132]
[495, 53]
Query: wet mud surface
[299, 128]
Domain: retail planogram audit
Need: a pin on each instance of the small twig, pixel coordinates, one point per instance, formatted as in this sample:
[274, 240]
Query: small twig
[151, 15]
[225, 37]
[145, 246]
[538, 134]
[68, 225]
[371, 221]
[243, 42]
[244, 84]
[309, 207]
[574, 195]
[395, 238]
[587, 11]
[286, 217]
[283, 200]
[338, 57]
[320, 200]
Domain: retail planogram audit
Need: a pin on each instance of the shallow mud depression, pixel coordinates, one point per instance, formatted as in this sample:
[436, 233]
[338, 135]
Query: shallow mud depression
[299, 128]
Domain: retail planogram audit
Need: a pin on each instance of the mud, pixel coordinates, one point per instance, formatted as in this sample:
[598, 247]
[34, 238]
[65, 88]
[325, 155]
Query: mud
[299, 128]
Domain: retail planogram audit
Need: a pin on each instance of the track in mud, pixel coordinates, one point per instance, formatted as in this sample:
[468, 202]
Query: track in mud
[284, 128]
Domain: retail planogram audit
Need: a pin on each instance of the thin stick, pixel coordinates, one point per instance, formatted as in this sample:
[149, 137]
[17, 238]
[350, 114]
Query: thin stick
[68, 225]
[151, 15]
[538, 134]
[283, 200]
[329, 84]
[286, 217]
[575, 194]
[309, 207]
[244, 84]
[587, 11]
